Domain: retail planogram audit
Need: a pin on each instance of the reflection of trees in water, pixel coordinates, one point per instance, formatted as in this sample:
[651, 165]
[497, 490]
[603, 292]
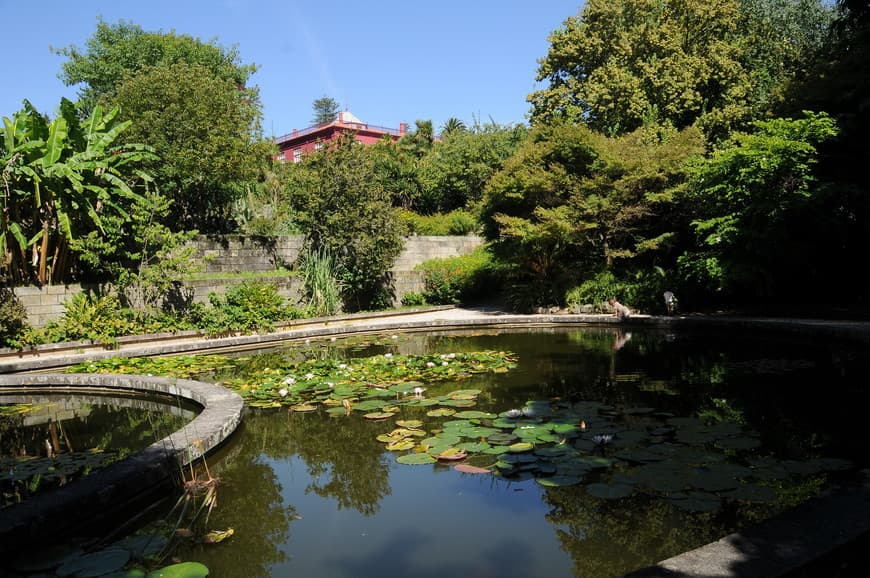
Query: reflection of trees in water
[344, 453]
[249, 501]
[606, 537]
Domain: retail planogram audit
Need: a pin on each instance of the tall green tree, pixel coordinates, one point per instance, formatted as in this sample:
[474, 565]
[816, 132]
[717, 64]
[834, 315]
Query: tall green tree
[573, 203]
[454, 172]
[116, 51]
[190, 101]
[347, 214]
[620, 63]
[757, 220]
[325, 110]
[207, 136]
[62, 180]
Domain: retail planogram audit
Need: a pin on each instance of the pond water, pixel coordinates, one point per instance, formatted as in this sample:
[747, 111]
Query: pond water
[50, 439]
[645, 444]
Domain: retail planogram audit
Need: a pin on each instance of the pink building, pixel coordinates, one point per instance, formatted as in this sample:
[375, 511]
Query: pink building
[292, 146]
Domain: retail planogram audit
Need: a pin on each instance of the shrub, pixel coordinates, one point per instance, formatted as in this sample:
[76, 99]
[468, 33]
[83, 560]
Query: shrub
[412, 299]
[13, 317]
[251, 306]
[88, 316]
[642, 290]
[458, 279]
[456, 222]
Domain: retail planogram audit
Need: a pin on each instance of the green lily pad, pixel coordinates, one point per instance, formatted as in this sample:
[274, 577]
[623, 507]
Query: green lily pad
[400, 445]
[416, 459]
[377, 415]
[521, 447]
[558, 481]
[441, 412]
[609, 491]
[183, 570]
[474, 414]
[409, 423]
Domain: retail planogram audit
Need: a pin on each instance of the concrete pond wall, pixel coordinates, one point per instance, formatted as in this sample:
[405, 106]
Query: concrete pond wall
[234, 254]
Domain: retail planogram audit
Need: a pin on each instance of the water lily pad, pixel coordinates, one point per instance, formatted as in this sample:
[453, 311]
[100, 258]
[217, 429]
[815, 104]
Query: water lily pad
[304, 407]
[469, 469]
[400, 445]
[95, 563]
[377, 415]
[697, 502]
[416, 459]
[183, 570]
[521, 447]
[474, 414]
[560, 480]
[452, 454]
[409, 423]
[609, 491]
[459, 402]
[441, 412]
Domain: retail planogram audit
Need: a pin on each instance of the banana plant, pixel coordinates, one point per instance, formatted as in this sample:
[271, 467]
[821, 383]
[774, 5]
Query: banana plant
[60, 180]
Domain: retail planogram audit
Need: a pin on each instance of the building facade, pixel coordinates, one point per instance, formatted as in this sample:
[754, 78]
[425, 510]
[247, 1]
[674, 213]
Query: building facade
[293, 146]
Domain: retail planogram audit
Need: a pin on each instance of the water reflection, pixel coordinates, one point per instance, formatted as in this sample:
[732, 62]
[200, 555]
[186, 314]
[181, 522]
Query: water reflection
[314, 495]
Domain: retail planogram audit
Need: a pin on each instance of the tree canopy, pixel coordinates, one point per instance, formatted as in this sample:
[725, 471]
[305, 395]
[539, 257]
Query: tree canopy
[325, 110]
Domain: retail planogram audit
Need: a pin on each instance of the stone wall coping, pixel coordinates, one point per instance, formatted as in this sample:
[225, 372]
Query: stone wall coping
[131, 480]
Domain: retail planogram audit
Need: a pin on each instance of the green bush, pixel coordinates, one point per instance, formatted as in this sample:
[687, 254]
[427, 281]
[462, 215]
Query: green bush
[13, 317]
[643, 290]
[250, 306]
[88, 317]
[458, 279]
[412, 299]
[454, 223]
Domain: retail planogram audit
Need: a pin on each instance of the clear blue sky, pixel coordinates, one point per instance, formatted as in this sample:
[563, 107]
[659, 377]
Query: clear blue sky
[387, 61]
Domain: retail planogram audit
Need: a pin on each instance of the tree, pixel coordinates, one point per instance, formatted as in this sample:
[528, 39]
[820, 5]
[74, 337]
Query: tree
[206, 134]
[62, 180]
[419, 141]
[117, 51]
[189, 100]
[757, 218]
[325, 110]
[345, 212]
[452, 125]
[454, 172]
[623, 62]
[572, 203]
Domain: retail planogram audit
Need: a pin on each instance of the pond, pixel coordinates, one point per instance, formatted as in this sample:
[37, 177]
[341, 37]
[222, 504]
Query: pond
[50, 439]
[569, 451]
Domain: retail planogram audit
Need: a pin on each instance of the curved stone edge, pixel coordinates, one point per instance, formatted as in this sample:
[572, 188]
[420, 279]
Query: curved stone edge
[136, 478]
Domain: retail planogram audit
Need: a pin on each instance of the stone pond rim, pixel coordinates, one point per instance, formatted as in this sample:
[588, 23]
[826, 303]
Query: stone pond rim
[122, 486]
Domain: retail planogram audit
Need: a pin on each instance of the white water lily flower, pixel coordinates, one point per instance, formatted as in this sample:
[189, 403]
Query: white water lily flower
[430, 364]
[444, 363]
[342, 365]
[451, 355]
[309, 375]
[283, 392]
[289, 381]
[388, 355]
[394, 336]
[332, 338]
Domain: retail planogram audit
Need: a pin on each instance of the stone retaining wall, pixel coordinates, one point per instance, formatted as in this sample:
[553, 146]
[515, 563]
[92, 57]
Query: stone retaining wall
[236, 254]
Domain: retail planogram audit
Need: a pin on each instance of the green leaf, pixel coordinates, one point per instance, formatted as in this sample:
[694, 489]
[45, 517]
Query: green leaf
[183, 570]
[416, 459]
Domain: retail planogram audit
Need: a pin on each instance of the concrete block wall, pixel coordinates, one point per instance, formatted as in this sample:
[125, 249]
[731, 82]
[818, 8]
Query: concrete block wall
[236, 254]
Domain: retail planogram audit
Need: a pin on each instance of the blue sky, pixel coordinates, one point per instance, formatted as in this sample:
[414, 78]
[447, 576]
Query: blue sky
[387, 61]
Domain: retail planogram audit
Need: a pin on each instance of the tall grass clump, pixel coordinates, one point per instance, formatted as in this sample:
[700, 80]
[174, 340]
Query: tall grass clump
[322, 282]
